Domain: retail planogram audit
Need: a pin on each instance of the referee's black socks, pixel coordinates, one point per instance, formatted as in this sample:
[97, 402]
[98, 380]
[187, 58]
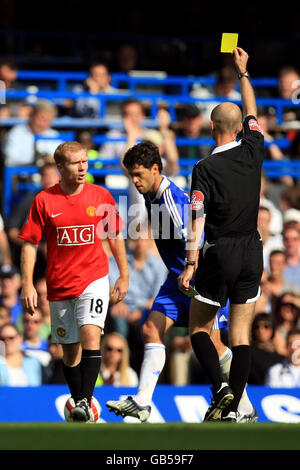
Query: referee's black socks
[239, 372]
[207, 355]
[90, 368]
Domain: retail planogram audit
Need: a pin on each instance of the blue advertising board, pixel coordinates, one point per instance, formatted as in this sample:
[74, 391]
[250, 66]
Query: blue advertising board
[170, 404]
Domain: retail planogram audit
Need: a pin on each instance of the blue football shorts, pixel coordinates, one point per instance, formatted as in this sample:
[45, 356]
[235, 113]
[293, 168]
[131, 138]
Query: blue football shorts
[170, 301]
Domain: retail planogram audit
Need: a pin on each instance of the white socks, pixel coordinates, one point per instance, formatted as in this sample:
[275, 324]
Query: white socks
[153, 363]
[245, 405]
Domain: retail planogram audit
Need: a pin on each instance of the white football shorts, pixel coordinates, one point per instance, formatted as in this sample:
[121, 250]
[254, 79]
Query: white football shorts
[90, 308]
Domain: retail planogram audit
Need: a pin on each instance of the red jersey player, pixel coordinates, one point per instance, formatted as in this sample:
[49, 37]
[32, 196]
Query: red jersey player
[73, 217]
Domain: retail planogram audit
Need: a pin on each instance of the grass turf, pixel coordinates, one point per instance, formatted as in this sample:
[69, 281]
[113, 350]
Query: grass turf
[168, 436]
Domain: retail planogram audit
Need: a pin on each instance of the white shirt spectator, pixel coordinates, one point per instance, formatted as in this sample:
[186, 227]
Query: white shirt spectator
[20, 147]
[206, 107]
[283, 375]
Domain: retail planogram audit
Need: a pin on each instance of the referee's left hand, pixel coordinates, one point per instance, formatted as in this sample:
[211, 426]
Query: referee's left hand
[184, 278]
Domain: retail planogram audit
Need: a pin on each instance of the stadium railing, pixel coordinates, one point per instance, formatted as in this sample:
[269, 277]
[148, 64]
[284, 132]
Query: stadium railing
[272, 169]
[63, 80]
[154, 100]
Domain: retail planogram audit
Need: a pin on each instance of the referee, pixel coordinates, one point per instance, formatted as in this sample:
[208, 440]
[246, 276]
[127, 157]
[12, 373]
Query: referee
[225, 196]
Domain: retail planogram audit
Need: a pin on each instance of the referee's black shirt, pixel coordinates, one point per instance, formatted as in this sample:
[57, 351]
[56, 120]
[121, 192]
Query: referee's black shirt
[226, 185]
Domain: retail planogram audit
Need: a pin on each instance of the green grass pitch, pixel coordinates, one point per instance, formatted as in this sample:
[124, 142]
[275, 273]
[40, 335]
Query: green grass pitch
[168, 436]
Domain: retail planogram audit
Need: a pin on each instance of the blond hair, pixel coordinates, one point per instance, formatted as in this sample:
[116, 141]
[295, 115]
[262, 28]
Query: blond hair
[124, 363]
[46, 107]
[62, 150]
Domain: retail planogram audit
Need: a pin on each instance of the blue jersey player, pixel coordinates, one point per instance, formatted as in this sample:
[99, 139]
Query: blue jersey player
[167, 207]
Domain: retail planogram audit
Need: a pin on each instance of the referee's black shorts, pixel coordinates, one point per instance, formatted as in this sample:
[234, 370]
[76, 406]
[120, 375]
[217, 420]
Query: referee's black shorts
[230, 268]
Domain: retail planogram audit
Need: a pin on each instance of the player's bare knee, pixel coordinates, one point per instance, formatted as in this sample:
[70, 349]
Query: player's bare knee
[150, 332]
[71, 354]
[90, 336]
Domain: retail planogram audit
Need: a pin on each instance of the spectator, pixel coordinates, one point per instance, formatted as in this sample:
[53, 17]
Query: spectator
[33, 344]
[16, 368]
[294, 150]
[5, 316]
[180, 356]
[273, 283]
[263, 303]
[270, 197]
[115, 367]
[20, 146]
[272, 150]
[164, 139]
[291, 241]
[288, 84]
[133, 116]
[287, 374]
[270, 242]
[276, 282]
[190, 126]
[290, 198]
[55, 368]
[10, 284]
[5, 254]
[291, 218]
[49, 177]
[225, 87]
[43, 305]
[98, 82]
[263, 350]
[286, 317]
[127, 58]
[8, 75]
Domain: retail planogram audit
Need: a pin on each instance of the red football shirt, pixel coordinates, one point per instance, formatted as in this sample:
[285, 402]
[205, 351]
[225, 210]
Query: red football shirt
[73, 227]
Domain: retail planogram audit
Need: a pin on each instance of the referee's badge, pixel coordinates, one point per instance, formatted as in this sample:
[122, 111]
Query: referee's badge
[197, 200]
[254, 126]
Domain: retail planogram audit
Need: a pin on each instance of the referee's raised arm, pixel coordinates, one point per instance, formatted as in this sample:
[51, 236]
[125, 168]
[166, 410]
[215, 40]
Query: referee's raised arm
[248, 97]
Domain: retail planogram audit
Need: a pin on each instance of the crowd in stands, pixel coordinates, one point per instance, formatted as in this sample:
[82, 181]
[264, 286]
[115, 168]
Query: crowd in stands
[27, 354]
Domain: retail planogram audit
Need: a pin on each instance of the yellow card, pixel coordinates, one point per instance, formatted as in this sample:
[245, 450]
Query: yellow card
[229, 42]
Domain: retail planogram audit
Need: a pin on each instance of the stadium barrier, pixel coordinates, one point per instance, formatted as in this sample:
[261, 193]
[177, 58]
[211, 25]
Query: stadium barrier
[64, 80]
[170, 403]
[13, 190]
[154, 100]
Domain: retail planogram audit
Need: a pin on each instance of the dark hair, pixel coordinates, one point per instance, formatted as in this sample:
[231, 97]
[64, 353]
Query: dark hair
[96, 63]
[277, 309]
[130, 101]
[262, 317]
[145, 154]
[9, 63]
[46, 166]
[278, 252]
[293, 331]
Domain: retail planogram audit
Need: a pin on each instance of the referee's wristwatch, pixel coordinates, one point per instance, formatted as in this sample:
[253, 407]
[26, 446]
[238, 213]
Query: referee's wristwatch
[244, 74]
[188, 262]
